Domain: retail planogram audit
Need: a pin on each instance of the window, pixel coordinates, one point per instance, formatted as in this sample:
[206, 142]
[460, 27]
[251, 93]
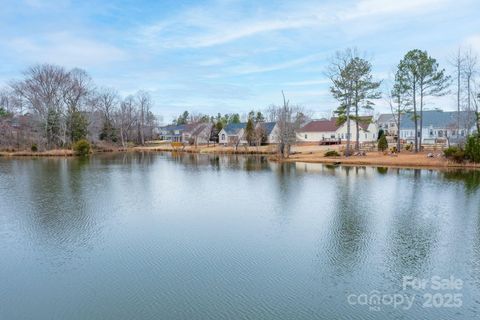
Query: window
[223, 136]
[305, 136]
[440, 133]
[431, 132]
[366, 136]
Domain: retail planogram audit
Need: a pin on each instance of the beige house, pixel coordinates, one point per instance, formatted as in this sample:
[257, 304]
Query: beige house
[368, 130]
[329, 131]
[318, 130]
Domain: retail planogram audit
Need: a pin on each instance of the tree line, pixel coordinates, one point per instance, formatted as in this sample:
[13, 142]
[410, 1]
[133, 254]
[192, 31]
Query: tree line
[418, 76]
[65, 106]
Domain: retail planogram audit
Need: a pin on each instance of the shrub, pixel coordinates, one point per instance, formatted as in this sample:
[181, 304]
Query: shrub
[81, 147]
[454, 153]
[450, 151]
[381, 133]
[382, 143]
[459, 156]
[472, 149]
[34, 148]
[408, 147]
[332, 153]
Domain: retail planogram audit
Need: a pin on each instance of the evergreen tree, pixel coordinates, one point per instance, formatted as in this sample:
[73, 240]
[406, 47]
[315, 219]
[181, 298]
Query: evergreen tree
[353, 86]
[420, 75]
[382, 143]
[234, 118]
[77, 125]
[183, 118]
[109, 132]
[259, 117]
[250, 131]
[53, 128]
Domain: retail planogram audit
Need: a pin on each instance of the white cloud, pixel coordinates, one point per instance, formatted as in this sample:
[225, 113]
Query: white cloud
[65, 49]
[205, 27]
[250, 69]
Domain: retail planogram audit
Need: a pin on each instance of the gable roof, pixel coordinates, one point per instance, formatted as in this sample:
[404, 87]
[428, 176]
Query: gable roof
[234, 128]
[363, 121]
[439, 119]
[268, 127]
[320, 126]
[385, 117]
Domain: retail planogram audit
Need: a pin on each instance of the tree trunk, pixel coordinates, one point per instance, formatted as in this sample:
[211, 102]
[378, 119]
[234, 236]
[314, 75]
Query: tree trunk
[458, 98]
[398, 126]
[468, 106]
[415, 118]
[421, 117]
[347, 151]
[357, 141]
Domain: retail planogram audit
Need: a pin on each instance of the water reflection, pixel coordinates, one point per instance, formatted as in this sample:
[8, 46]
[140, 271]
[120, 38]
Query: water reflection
[193, 236]
[470, 178]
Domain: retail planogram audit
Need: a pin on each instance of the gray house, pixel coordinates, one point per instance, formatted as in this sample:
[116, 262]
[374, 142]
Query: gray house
[439, 126]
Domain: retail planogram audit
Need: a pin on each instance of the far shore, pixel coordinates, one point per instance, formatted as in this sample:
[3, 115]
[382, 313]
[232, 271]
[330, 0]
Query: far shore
[300, 153]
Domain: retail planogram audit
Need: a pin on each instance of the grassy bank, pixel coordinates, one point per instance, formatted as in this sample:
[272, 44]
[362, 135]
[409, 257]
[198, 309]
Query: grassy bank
[301, 153]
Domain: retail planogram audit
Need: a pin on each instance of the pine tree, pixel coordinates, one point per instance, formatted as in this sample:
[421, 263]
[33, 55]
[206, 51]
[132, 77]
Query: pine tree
[250, 131]
[421, 75]
[382, 143]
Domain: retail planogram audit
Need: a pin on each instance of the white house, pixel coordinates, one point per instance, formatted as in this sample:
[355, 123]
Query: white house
[233, 133]
[367, 130]
[318, 130]
[328, 130]
[438, 126]
[386, 122]
[271, 131]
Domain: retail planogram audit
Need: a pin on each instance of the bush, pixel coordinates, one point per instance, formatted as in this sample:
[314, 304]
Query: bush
[408, 147]
[332, 153]
[81, 147]
[459, 156]
[454, 153]
[472, 149]
[450, 151]
[382, 143]
[34, 148]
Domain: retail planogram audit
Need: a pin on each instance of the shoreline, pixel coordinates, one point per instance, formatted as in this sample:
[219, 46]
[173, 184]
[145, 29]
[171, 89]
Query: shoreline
[301, 154]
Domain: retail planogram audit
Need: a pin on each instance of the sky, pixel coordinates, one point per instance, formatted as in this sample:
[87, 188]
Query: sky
[226, 55]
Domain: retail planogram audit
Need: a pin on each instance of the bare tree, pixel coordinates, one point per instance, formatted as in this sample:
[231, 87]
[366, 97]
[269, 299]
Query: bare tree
[457, 63]
[43, 91]
[144, 103]
[469, 71]
[288, 119]
[127, 116]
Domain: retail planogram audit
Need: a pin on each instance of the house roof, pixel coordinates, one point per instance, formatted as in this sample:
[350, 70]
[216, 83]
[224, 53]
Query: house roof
[320, 126]
[363, 121]
[234, 128]
[268, 126]
[385, 117]
[174, 127]
[439, 119]
[201, 127]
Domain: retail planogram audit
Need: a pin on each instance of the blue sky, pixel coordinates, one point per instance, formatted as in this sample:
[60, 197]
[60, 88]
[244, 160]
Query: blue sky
[227, 55]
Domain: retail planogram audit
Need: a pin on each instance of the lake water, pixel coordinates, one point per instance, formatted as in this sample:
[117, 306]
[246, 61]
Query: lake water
[161, 236]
